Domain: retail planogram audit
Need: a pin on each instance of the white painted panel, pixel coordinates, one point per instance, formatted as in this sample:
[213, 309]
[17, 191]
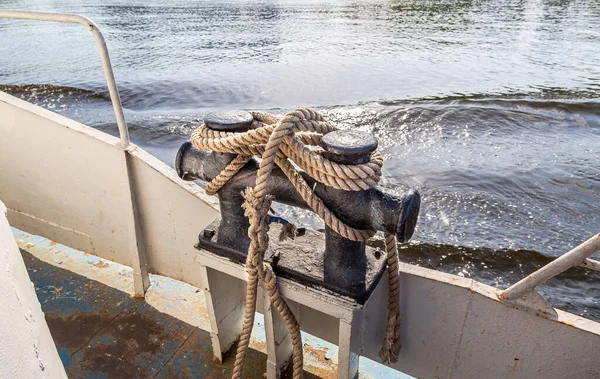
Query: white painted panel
[432, 317]
[63, 180]
[456, 328]
[27, 349]
[504, 342]
[68, 182]
[172, 214]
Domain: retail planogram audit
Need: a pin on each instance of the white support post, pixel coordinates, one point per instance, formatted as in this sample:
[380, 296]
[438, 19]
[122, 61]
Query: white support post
[279, 340]
[141, 279]
[225, 301]
[350, 345]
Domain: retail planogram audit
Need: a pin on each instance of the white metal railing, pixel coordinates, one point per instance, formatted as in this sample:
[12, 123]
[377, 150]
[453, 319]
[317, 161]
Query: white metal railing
[140, 269]
[579, 256]
[100, 43]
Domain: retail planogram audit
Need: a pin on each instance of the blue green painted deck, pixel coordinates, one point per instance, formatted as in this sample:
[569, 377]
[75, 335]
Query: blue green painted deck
[102, 331]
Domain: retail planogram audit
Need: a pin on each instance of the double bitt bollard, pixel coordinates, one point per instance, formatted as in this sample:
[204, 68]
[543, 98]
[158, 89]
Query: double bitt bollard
[344, 262]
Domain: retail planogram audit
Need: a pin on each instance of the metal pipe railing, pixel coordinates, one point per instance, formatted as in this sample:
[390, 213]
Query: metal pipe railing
[100, 43]
[141, 279]
[576, 257]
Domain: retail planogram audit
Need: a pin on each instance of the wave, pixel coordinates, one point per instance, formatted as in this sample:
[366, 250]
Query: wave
[50, 90]
[545, 94]
[184, 95]
[195, 95]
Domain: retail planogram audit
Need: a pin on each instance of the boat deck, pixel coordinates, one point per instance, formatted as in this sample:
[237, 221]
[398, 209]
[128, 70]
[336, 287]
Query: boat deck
[102, 331]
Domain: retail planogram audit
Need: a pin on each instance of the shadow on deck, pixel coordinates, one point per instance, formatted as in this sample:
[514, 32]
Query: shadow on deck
[102, 332]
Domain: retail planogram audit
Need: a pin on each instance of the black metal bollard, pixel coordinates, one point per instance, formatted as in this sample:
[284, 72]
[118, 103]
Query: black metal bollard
[344, 261]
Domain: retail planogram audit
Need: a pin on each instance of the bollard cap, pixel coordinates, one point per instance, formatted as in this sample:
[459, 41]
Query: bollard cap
[349, 146]
[229, 121]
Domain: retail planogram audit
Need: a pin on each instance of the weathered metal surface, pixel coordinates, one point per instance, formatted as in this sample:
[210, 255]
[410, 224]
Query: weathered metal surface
[452, 327]
[592, 264]
[371, 209]
[348, 146]
[76, 309]
[174, 210]
[224, 285]
[96, 211]
[101, 331]
[136, 343]
[85, 264]
[82, 170]
[344, 261]
[534, 303]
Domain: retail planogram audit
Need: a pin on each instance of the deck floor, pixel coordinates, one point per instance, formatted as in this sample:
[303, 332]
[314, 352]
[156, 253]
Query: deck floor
[101, 331]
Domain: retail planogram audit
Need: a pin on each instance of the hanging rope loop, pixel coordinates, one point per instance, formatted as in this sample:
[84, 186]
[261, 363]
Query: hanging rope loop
[295, 137]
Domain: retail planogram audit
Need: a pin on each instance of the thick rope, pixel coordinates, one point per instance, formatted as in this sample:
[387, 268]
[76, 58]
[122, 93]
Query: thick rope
[390, 350]
[278, 141]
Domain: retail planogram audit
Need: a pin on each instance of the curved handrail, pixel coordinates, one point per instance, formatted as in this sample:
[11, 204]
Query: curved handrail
[107, 67]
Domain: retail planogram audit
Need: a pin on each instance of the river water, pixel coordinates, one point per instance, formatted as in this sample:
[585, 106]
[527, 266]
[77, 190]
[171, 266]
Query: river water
[490, 108]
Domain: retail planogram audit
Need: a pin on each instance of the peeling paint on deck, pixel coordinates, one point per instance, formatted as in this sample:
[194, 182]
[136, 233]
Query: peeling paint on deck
[101, 331]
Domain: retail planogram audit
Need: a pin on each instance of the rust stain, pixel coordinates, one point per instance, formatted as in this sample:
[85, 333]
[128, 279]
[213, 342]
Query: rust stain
[320, 354]
[515, 365]
[259, 345]
[52, 243]
[567, 323]
[101, 265]
[325, 369]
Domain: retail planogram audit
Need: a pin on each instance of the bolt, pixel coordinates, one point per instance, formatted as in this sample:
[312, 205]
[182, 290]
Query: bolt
[209, 234]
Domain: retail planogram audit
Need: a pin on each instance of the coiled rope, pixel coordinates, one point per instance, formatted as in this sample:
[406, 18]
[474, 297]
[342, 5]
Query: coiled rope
[281, 141]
